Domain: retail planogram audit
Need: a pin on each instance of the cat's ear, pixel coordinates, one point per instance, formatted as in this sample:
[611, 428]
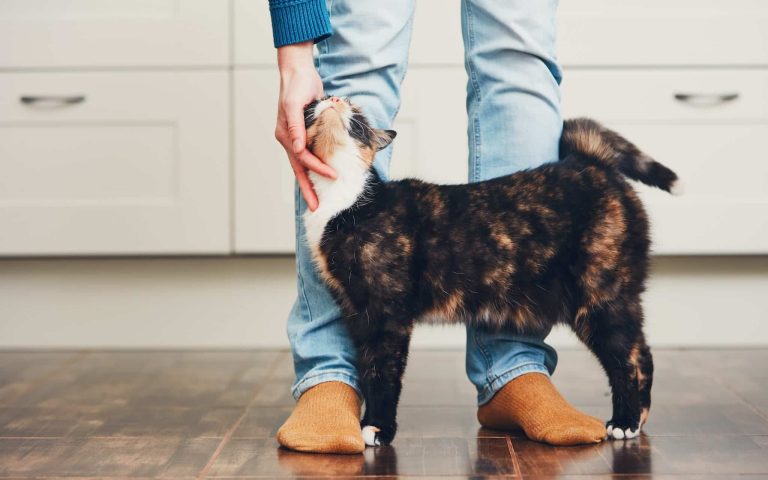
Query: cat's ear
[382, 138]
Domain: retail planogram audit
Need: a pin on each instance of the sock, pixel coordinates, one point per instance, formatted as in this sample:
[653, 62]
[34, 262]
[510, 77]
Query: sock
[532, 403]
[326, 420]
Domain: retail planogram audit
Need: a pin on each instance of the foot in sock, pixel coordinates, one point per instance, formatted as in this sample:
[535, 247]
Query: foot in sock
[326, 420]
[532, 403]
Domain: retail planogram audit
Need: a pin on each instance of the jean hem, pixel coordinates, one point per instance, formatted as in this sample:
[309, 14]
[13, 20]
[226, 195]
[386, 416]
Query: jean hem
[333, 376]
[499, 381]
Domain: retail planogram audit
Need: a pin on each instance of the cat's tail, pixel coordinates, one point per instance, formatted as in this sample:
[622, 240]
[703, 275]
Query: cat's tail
[590, 140]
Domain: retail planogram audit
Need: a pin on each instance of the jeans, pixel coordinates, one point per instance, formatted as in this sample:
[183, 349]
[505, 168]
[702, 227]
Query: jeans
[513, 106]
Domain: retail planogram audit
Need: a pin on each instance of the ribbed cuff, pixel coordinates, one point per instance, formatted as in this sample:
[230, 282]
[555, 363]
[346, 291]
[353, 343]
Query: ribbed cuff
[299, 21]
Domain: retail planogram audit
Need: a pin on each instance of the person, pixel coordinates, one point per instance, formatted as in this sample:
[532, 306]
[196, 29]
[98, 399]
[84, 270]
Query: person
[513, 107]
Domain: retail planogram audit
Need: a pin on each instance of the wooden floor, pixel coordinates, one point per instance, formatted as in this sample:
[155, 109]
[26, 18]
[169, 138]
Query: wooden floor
[214, 414]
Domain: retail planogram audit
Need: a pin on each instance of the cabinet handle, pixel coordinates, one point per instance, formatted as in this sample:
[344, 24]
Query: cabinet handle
[705, 99]
[52, 100]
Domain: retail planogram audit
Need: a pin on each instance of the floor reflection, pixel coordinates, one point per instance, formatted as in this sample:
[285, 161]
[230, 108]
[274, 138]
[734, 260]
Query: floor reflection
[487, 456]
[610, 457]
[631, 456]
[373, 461]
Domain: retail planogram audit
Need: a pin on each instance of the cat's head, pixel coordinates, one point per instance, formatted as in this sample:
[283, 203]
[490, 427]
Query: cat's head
[337, 125]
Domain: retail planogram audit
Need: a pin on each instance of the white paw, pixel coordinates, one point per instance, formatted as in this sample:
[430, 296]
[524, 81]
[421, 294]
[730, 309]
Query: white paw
[619, 434]
[369, 436]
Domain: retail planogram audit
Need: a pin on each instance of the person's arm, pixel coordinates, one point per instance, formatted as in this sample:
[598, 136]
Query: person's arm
[295, 27]
[297, 21]
[299, 85]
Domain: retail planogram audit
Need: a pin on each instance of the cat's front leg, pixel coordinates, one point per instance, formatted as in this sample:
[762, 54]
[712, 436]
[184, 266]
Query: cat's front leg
[382, 357]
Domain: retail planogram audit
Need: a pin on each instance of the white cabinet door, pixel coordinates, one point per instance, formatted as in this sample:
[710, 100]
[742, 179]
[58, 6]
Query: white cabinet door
[714, 139]
[104, 33]
[263, 180]
[114, 163]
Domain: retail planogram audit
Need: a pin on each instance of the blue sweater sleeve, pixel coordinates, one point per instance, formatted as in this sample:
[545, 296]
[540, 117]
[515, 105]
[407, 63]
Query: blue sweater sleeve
[296, 21]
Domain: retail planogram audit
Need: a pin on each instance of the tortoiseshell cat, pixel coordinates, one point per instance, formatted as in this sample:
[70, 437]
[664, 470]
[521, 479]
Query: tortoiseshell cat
[567, 242]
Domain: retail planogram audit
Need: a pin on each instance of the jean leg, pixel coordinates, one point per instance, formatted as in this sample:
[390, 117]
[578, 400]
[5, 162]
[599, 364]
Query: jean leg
[513, 105]
[366, 60]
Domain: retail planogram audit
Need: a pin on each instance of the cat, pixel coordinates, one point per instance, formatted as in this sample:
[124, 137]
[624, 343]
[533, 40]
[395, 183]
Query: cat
[566, 242]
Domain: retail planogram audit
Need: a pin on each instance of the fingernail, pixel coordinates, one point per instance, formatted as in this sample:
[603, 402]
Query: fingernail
[296, 146]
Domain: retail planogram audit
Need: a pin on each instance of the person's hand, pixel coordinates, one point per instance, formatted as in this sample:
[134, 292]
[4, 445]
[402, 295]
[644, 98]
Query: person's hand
[300, 84]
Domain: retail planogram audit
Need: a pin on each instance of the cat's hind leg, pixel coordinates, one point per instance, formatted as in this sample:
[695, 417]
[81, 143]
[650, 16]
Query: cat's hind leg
[614, 334]
[382, 356]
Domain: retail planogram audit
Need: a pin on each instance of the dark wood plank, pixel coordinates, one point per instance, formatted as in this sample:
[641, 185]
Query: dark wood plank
[114, 421]
[21, 371]
[105, 457]
[140, 379]
[275, 393]
[743, 372]
[262, 422]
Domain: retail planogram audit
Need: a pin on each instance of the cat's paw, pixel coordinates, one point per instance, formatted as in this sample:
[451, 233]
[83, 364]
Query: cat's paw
[621, 430]
[369, 436]
[376, 436]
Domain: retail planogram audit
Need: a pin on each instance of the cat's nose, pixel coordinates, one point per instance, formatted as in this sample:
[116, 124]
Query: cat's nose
[335, 99]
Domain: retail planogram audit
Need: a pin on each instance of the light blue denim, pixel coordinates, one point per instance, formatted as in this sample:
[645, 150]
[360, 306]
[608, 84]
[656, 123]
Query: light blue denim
[513, 106]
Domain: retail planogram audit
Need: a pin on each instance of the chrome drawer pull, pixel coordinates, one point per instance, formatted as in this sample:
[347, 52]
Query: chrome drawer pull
[52, 100]
[706, 100]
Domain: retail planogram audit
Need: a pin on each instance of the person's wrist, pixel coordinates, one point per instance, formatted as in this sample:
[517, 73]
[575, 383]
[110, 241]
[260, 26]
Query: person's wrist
[296, 57]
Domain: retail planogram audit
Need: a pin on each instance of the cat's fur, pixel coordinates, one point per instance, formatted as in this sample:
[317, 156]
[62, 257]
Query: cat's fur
[567, 242]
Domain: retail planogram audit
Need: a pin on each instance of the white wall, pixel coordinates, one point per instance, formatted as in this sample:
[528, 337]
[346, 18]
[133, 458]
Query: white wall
[243, 302]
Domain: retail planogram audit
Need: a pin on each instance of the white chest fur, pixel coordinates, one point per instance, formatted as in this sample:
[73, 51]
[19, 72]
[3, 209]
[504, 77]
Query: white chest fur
[335, 195]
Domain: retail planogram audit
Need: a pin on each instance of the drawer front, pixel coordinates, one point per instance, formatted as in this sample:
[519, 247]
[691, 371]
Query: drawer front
[664, 95]
[263, 179]
[98, 33]
[114, 163]
[663, 33]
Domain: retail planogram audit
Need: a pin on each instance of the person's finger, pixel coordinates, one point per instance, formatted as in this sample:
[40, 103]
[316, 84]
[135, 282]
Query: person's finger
[294, 117]
[305, 185]
[315, 164]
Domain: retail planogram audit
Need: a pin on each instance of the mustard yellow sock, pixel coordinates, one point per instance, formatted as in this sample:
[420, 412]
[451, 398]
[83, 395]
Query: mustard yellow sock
[326, 420]
[532, 403]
